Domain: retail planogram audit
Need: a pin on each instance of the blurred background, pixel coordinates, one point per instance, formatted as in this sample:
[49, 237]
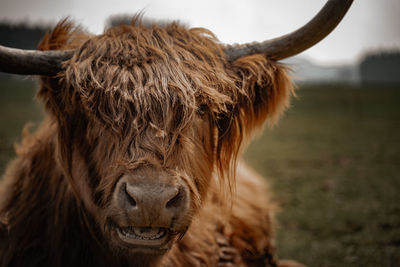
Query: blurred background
[333, 161]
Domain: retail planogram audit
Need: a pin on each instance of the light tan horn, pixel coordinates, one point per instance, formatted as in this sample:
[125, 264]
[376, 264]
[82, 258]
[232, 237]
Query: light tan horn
[298, 41]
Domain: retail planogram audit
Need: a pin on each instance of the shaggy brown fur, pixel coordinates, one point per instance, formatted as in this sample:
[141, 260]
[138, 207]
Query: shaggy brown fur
[138, 98]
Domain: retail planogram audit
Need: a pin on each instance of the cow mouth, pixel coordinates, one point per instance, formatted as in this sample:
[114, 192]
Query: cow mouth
[144, 236]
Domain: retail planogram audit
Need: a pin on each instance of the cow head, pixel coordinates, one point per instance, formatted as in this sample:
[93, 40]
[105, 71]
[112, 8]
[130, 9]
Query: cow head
[148, 117]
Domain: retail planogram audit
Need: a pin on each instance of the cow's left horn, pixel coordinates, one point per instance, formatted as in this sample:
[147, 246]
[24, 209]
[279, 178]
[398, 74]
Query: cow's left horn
[33, 62]
[298, 41]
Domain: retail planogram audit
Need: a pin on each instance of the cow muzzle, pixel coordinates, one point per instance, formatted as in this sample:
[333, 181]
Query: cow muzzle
[151, 208]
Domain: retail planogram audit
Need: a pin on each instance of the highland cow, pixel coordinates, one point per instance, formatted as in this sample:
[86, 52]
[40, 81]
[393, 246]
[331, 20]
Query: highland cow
[136, 162]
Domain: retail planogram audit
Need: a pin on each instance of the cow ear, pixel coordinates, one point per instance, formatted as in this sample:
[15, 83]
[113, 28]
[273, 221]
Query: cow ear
[262, 93]
[265, 89]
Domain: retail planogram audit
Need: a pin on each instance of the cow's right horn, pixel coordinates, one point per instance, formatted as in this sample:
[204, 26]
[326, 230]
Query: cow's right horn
[32, 62]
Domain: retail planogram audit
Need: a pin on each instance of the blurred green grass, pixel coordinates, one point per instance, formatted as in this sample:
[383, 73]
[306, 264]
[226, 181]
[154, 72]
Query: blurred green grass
[17, 107]
[333, 162]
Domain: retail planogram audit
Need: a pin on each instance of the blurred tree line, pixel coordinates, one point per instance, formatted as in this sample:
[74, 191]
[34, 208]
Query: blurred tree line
[381, 67]
[20, 35]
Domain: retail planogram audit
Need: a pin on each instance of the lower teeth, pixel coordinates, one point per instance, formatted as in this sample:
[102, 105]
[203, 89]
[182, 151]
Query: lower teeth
[142, 233]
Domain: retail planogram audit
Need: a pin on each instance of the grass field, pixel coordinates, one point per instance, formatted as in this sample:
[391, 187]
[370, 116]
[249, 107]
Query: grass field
[17, 107]
[333, 162]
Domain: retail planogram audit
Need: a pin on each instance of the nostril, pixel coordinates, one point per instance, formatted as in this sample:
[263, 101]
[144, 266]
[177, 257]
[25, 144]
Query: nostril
[127, 196]
[176, 201]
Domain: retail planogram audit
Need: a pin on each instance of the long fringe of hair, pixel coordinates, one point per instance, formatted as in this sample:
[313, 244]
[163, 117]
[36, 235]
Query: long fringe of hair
[123, 77]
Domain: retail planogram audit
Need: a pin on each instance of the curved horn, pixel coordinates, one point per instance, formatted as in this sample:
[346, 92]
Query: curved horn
[298, 41]
[34, 62]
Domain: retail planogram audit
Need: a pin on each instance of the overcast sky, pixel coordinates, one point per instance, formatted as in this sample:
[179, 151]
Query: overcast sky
[369, 25]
